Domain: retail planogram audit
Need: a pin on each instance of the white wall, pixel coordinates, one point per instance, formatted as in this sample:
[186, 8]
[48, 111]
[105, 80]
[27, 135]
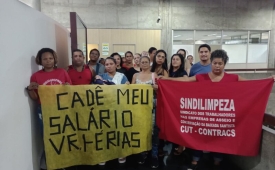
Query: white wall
[36, 4]
[23, 32]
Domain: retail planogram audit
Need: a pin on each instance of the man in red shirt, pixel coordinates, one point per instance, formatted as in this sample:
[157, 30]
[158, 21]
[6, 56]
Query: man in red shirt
[79, 72]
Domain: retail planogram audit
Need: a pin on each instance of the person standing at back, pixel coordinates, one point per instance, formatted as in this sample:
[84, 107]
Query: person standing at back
[190, 59]
[152, 52]
[129, 60]
[204, 65]
[78, 71]
[94, 55]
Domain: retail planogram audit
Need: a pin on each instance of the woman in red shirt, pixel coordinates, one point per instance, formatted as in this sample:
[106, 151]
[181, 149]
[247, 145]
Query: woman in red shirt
[218, 59]
[49, 75]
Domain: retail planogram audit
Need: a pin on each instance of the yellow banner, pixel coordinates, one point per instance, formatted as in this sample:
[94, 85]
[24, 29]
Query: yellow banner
[89, 124]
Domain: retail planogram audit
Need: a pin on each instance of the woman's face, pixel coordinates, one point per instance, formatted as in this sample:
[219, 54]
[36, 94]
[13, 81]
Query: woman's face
[181, 52]
[176, 61]
[136, 59]
[217, 66]
[47, 60]
[160, 58]
[144, 63]
[110, 66]
[117, 58]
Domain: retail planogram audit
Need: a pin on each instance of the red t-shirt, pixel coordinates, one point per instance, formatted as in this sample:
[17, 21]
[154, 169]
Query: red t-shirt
[56, 77]
[79, 78]
[226, 77]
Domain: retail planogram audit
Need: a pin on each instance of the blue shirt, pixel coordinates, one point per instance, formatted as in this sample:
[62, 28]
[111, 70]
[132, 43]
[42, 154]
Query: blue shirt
[199, 69]
[105, 76]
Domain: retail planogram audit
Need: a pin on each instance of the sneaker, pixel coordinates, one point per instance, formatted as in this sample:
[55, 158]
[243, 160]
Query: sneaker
[141, 158]
[121, 160]
[102, 163]
[154, 162]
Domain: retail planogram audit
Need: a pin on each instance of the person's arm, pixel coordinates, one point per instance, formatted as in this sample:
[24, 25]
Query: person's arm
[244, 79]
[184, 78]
[134, 78]
[187, 67]
[67, 78]
[165, 73]
[31, 90]
[93, 73]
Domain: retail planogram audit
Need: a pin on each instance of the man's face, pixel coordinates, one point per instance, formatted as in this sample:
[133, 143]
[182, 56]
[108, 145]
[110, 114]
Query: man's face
[204, 54]
[94, 55]
[78, 58]
[129, 58]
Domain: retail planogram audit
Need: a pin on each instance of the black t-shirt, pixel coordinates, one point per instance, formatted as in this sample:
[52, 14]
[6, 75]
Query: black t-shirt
[121, 70]
[177, 73]
[130, 73]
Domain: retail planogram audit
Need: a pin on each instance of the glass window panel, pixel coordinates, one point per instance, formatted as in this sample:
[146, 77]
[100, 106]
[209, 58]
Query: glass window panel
[257, 53]
[208, 37]
[258, 37]
[234, 37]
[236, 52]
[181, 37]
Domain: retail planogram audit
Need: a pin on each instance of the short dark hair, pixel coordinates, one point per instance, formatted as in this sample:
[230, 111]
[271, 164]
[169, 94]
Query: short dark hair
[110, 58]
[129, 53]
[38, 58]
[151, 49]
[206, 46]
[77, 50]
[219, 54]
[95, 50]
[112, 55]
[182, 50]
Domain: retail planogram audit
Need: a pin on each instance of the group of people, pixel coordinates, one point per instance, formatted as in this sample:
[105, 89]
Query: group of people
[145, 68]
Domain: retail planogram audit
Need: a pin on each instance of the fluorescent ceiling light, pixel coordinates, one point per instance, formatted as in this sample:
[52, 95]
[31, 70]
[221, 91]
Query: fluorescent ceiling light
[177, 35]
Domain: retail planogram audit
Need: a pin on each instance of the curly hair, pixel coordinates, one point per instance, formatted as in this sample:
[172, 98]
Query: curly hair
[38, 58]
[219, 54]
